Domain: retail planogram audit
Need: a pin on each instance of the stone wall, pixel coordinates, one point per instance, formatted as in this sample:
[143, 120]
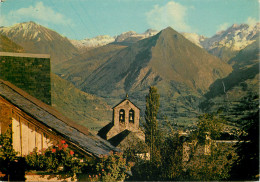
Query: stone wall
[30, 72]
[119, 126]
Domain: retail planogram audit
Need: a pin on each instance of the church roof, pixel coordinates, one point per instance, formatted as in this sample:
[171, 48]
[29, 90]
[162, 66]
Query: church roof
[127, 139]
[77, 135]
[126, 99]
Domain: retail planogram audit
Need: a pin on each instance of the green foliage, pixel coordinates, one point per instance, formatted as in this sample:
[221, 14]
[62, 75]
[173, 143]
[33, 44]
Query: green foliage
[246, 167]
[214, 164]
[55, 159]
[247, 106]
[209, 160]
[210, 125]
[212, 167]
[10, 164]
[172, 155]
[151, 127]
[7, 153]
[112, 167]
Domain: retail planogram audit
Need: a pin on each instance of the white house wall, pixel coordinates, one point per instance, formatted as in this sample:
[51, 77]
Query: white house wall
[27, 136]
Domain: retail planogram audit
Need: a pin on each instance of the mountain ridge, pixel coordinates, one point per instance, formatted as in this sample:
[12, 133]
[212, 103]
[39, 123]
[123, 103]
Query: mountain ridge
[35, 38]
[166, 60]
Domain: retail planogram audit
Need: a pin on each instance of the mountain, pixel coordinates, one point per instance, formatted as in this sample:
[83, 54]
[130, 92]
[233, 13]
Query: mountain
[167, 55]
[6, 45]
[83, 108]
[35, 38]
[225, 94]
[81, 66]
[226, 44]
[194, 38]
[97, 41]
[128, 38]
[245, 67]
[181, 70]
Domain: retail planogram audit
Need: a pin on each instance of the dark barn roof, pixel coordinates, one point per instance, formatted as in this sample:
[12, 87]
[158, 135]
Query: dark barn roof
[77, 135]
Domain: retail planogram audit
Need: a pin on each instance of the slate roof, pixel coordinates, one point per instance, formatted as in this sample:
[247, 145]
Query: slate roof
[103, 131]
[127, 139]
[77, 135]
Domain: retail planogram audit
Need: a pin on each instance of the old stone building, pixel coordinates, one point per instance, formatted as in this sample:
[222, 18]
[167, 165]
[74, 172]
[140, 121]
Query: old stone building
[36, 124]
[30, 72]
[124, 128]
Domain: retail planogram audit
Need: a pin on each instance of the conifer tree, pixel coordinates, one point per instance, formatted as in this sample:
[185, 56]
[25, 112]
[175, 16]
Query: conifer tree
[151, 127]
[246, 167]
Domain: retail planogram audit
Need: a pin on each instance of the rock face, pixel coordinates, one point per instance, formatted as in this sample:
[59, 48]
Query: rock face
[35, 38]
[93, 42]
[235, 37]
[226, 44]
[194, 38]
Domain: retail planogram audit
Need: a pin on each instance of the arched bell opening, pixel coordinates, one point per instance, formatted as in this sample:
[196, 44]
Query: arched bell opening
[131, 116]
[122, 116]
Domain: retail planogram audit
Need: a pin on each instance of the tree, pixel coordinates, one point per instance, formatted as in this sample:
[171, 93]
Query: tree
[208, 160]
[10, 164]
[151, 126]
[246, 167]
[172, 158]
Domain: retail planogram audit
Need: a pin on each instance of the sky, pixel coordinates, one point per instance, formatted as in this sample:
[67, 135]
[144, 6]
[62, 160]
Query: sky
[80, 19]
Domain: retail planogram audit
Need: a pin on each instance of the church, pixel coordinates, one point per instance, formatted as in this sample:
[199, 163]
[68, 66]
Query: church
[124, 130]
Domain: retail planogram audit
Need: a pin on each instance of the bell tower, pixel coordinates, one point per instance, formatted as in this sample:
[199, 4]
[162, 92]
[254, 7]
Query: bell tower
[125, 120]
[126, 116]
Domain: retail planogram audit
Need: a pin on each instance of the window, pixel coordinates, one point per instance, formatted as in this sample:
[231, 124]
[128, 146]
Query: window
[122, 115]
[131, 116]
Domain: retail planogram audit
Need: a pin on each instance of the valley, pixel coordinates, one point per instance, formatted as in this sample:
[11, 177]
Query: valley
[194, 74]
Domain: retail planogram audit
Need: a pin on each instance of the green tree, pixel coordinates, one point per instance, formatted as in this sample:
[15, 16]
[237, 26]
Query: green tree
[171, 157]
[151, 126]
[209, 125]
[10, 164]
[207, 159]
[246, 167]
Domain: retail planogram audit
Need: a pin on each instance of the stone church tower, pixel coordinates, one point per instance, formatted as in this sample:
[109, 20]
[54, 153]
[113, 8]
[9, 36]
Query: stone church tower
[125, 120]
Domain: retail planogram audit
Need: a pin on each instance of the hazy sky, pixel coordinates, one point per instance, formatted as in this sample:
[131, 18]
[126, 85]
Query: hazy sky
[79, 19]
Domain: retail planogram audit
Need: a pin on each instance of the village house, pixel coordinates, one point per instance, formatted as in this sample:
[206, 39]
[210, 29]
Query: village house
[36, 124]
[25, 99]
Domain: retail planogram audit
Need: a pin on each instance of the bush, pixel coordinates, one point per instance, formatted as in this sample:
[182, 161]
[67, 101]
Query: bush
[111, 167]
[55, 159]
[10, 165]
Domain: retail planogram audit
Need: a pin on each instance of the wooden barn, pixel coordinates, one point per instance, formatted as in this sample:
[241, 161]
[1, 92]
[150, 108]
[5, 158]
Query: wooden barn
[36, 124]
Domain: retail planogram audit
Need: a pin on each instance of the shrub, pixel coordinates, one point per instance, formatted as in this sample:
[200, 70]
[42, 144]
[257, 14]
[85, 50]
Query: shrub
[10, 164]
[55, 159]
[112, 167]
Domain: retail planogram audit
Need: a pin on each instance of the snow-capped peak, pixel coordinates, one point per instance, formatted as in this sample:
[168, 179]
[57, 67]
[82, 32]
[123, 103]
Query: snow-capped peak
[194, 38]
[235, 37]
[28, 30]
[93, 42]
